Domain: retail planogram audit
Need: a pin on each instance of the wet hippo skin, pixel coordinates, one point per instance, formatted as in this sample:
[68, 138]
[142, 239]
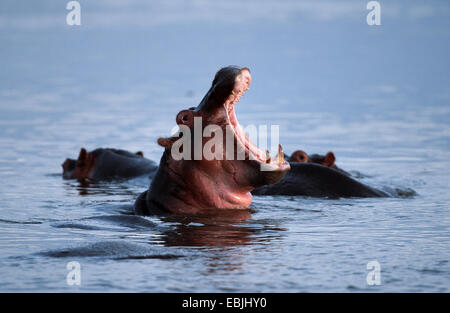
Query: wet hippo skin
[315, 180]
[192, 185]
[107, 164]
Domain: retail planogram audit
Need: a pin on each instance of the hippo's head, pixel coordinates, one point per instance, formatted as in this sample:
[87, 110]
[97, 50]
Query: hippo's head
[213, 164]
[326, 160]
[80, 169]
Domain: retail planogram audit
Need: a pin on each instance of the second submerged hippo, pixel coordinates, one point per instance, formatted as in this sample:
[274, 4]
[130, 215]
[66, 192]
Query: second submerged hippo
[318, 176]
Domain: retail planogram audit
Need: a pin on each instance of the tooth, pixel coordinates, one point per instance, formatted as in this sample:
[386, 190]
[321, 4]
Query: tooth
[232, 92]
[268, 158]
[280, 154]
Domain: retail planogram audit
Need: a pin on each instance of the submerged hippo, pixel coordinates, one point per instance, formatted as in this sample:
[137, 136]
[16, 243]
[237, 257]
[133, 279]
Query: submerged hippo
[312, 179]
[196, 184]
[318, 176]
[107, 163]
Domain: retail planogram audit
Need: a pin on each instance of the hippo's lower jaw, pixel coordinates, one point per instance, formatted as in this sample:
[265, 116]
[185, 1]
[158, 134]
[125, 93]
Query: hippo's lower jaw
[193, 185]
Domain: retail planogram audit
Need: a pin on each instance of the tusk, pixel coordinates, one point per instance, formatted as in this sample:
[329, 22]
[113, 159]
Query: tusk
[268, 158]
[280, 154]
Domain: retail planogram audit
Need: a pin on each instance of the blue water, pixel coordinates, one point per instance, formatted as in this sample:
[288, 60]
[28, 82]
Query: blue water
[378, 97]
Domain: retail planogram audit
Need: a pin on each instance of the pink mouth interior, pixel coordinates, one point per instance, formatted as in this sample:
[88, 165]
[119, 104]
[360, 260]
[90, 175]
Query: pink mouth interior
[241, 85]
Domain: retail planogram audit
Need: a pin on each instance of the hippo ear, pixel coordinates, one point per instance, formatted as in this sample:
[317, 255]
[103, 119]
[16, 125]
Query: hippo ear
[140, 153]
[186, 117]
[85, 163]
[329, 159]
[300, 156]
[166, 142]
[82, 157]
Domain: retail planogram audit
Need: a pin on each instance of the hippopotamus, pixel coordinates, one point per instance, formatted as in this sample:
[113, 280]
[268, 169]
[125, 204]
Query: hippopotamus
[190, 181]
[107, 164]
[317, 177]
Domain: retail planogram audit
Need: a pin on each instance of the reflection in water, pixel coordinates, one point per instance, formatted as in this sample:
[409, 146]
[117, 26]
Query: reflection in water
[108, 188]
[218, 228]
[224, 230]
[84, 187]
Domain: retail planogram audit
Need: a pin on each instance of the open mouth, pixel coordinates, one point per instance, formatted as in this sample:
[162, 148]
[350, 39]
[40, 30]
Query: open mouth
[241, 85]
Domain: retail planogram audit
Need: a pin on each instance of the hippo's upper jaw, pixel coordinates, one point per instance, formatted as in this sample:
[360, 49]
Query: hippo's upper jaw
[223, 175]
[229, 84]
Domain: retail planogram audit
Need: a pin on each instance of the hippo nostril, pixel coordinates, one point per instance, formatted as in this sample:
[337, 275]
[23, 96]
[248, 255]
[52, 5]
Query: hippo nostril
[185, 117]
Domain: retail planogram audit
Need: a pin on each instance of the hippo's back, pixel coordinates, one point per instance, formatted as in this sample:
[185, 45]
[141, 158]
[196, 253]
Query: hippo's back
[114, 163]
[314, 180]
